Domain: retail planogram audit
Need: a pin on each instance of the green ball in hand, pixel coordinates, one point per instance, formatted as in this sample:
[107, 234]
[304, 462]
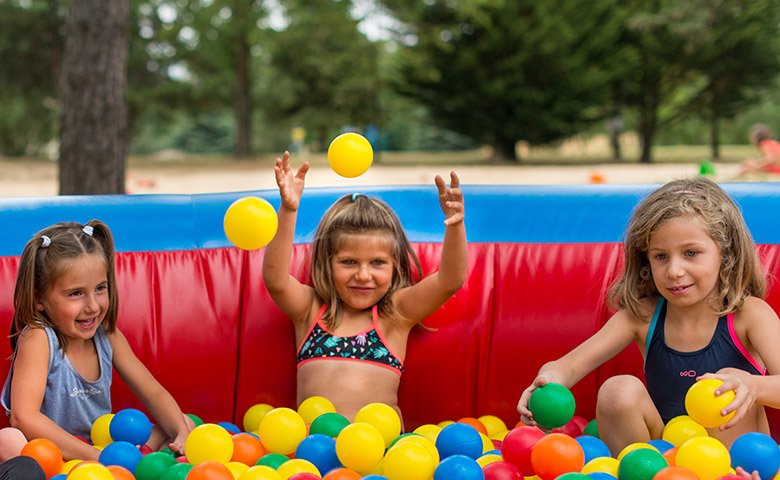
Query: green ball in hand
[552, 405]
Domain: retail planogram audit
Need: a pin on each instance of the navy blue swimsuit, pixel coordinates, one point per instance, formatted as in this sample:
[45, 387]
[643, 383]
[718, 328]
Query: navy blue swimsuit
[670, 373]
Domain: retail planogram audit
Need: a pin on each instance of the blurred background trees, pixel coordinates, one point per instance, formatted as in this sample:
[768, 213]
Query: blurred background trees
[238, 76]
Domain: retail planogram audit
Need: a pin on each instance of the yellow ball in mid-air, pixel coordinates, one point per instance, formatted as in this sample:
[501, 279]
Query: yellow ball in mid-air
[350, 155]
[250, 223]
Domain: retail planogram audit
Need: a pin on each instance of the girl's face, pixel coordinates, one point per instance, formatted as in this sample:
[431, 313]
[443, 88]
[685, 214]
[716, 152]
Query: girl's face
[685, 261]
[362, 269]
[78, 300]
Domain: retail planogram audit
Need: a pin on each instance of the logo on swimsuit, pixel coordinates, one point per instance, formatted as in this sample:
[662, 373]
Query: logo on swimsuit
[688, 373]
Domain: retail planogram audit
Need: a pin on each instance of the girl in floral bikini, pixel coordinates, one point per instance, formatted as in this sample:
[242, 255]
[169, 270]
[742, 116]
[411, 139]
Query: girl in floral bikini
[352, 323]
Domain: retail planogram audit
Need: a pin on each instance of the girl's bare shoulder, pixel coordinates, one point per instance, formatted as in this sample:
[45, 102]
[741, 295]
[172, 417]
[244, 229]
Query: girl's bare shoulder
[754, 311]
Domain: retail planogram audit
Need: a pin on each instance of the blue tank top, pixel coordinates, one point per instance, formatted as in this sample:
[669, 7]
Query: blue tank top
[70, 401]
[670, 373]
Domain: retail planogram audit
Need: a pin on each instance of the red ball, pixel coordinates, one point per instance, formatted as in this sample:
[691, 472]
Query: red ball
[145, 449]
[304, 476]
[502, 471]
[556, 454]
[572, 429]
[342, 474]
[517, 445]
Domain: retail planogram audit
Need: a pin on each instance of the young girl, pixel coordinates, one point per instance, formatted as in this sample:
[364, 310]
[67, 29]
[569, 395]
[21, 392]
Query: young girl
[66, 341]
[768, 149]
[690, 299]
[362, 302]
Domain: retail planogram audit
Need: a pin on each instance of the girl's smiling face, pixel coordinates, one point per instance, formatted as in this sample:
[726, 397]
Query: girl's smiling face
[363, 267]
[78, 300]
[685, 261]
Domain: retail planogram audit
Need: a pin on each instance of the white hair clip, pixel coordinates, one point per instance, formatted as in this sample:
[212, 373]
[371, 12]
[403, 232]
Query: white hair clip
[88, 230]
[45, 241]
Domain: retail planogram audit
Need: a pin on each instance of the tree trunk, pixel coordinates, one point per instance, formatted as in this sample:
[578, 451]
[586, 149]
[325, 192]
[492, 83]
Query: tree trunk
[715, 134]
[243, 101]
[93, 143]
[504, 149]
[648, 118]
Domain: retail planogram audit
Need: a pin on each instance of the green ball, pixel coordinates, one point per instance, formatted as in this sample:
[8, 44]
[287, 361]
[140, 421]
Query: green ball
[552, 405]
[641, 464]
[153, 466]
[330, 424]
[272, 460]
[177, 472]
[592, 429]
[574, 476]
[196, 419]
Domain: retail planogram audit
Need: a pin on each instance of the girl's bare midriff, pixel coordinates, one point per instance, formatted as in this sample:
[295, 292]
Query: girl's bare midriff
[349, 384]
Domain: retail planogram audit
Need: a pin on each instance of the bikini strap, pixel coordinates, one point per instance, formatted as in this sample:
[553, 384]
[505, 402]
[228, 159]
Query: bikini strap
[651, 329]
[740, 346]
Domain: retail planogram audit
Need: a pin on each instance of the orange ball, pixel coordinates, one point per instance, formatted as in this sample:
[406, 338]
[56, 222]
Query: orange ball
[210, 471]
[478, 426]
[120, 473]
[247, 449]
[671, 456]
[675, 473]
[342, 474]
[556, 454]
[46, 453]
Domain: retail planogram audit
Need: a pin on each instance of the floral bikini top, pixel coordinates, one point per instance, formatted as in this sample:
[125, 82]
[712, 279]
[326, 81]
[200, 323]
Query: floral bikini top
[369, 346]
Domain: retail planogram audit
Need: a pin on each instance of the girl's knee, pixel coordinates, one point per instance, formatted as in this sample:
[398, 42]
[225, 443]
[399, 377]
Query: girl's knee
[620, 393]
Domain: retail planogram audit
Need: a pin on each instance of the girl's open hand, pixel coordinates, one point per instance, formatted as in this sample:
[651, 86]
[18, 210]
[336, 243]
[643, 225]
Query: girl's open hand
[745, 395]
[290, 186]
[522, 405]
[451, 199]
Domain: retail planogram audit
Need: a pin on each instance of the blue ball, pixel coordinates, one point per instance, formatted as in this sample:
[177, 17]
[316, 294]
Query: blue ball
[60, 476]
[375, 477]
[130, 425]
[459, 439]
[593, 447]
[320, 450]
[230, 427]
[121, 453]
[661, 445]
[460, 467]
[601, 476]
[756, 451]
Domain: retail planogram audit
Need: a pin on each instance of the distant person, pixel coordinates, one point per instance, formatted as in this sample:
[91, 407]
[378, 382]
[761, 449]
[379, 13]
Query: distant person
[768, 149]
[297, 137]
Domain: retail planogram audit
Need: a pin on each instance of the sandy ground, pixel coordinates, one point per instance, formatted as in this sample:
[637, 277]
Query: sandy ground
[39, 178]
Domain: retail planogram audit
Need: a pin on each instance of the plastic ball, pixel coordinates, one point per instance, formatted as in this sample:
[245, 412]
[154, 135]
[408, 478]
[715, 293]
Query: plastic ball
[330, 424]
[459, 439]
[130, 425]
[320, 450]
[575, 476]
[272, 460]
[478, 426]
[552, 405]
[634, 446]
[488, 458]
[313, 407]
[90, 471]
[152, 466]
[593, 447]
[304, 476]
[375, 477]
[422, 441]
[121, 473]
[237, 468]
[493, 424]
[124, 454]
[360, 446]
[429, 431]
[705, 456]
[46, 453]
[260, 472]
[681, 429]
[704, 407]
[208, 443]
[382, 416]
[342, 474]
[641, 464]
[350, 155]
[296, 465]
[517, 446]
[660, 444]
[572, 428]
[250, 223]
[556, 454]
[675, 473]
[756, 451]
[99, 433]
[502, 471]
[177, 471]
[69, 465]
[281, 430]
[591, 428]
[247, 449]
[230, 427]
[409, 461]
[210, 471]
[460, 467]
[606, 465]
[195, 419]
[253, 415]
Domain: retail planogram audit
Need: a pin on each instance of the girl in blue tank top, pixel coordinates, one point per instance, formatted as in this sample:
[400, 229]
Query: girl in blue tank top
[690, 299]
[66, 342]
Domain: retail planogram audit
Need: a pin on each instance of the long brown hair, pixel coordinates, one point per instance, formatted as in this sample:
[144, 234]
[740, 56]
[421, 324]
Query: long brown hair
[43, 261]
[740, 274]
[358, 214]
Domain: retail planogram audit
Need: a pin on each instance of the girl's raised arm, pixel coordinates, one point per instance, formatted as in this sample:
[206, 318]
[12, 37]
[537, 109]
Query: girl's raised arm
[290, 295]
[420, 300]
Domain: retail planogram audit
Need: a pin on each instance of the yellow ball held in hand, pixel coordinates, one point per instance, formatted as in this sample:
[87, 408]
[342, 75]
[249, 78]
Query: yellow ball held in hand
[250, 223]
[350, 155]
[704, 406]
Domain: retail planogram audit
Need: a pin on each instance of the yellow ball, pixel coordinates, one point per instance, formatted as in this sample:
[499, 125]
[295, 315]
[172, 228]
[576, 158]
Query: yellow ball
[705, 456]
[296, 465]
[254, 414]
[493, 424]
[420, 440]
[382, 416]
[360, 446]
[429, 431]
[444, 423]
[350, 155]
[236, 468]
[602, 464]
[90, 471]
[634, 446]
[489, 458]
[313, 407]
[704, 407]
[681, 429]
[68, 466]
[208, 443]
[281, 430]
[99, 432]
[260, 472]
[409, 461]
[250, 223]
